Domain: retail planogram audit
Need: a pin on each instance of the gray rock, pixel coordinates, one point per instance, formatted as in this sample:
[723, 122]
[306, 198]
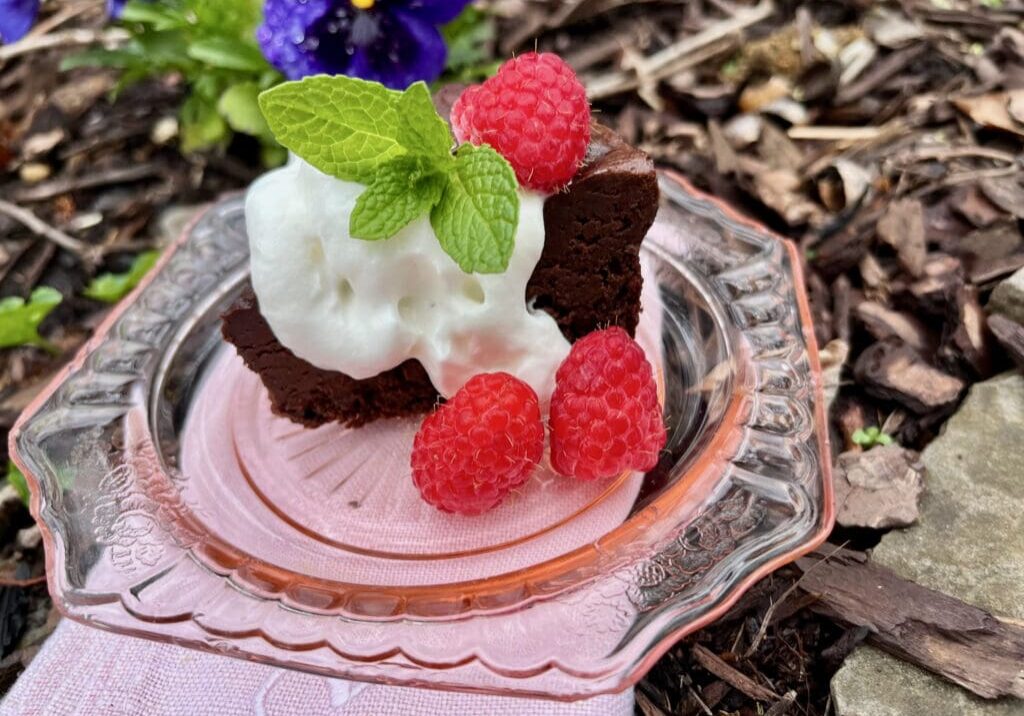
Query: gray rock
[1008, 297]
[872, 683]
[969, 543]
[879, 488]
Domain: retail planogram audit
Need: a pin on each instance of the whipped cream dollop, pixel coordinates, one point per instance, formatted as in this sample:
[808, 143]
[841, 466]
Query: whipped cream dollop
[363, 307]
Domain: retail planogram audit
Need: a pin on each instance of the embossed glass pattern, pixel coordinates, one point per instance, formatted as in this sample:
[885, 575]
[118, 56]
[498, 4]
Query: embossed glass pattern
[289, 563]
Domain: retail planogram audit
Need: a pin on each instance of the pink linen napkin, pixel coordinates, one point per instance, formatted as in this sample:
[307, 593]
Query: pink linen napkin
[83, 671]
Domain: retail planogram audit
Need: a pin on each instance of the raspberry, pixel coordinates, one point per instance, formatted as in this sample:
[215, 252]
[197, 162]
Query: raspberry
[605, 416]
[480, 445]
[534, 113]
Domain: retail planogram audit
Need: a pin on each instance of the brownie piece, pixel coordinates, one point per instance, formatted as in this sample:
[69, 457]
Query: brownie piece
[588, 277]
[313, 396]
[589, 273]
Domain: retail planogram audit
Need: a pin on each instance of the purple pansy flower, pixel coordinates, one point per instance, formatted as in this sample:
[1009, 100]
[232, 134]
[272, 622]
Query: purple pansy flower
[18, 16]
[394, 42]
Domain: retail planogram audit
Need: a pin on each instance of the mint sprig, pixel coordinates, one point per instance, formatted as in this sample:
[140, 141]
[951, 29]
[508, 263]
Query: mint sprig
[343, 126]
[476, 218]
[398, 145]
[421, 129]
[403, 189]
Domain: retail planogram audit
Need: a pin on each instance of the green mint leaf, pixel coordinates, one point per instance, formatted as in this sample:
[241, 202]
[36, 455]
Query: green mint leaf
[421, 129]
[19, 321]
[476, 219]
[112, 287]
[402, 190]
[16, 480]
[343, 126]
[860, 437]
[885, 439]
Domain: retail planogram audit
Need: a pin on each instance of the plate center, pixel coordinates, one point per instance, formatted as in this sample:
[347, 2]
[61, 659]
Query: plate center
[353, 488]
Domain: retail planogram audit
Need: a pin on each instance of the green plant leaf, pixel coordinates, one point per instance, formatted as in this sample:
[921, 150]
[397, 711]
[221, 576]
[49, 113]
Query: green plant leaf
[343, 126]
[421, 128]
[268, 79]
[166, 50]
[240, 107]
[471, 74]
[236, 18]
[158, 15]
[227, 53]
[202, 126]
[476, 219]
[19, 321]
[404, 188]
[112, 287]
[272, 154]
[870, 437]
[468, 38]
[16, 480]
[99, 57]
[211, 44]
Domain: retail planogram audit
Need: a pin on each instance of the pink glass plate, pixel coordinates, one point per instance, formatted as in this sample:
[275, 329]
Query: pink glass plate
[175, 506]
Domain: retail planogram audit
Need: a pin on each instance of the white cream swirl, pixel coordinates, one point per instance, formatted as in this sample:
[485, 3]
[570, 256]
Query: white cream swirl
[363, 307]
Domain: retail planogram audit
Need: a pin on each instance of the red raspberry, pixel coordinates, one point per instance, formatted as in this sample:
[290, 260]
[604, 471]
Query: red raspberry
[605, 416]
[480, 445]
[534, 113]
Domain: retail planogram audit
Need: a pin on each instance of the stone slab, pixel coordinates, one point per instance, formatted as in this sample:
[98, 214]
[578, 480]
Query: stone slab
[1008, 297]
[872, 683]
[969, 543]
[970, 539]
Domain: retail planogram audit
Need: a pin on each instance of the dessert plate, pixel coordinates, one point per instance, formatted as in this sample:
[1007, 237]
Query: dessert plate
[174, 506]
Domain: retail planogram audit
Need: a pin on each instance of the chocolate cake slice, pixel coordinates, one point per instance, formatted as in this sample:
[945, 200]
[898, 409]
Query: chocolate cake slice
[313, 396]
[589, 273]
[588, 277]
